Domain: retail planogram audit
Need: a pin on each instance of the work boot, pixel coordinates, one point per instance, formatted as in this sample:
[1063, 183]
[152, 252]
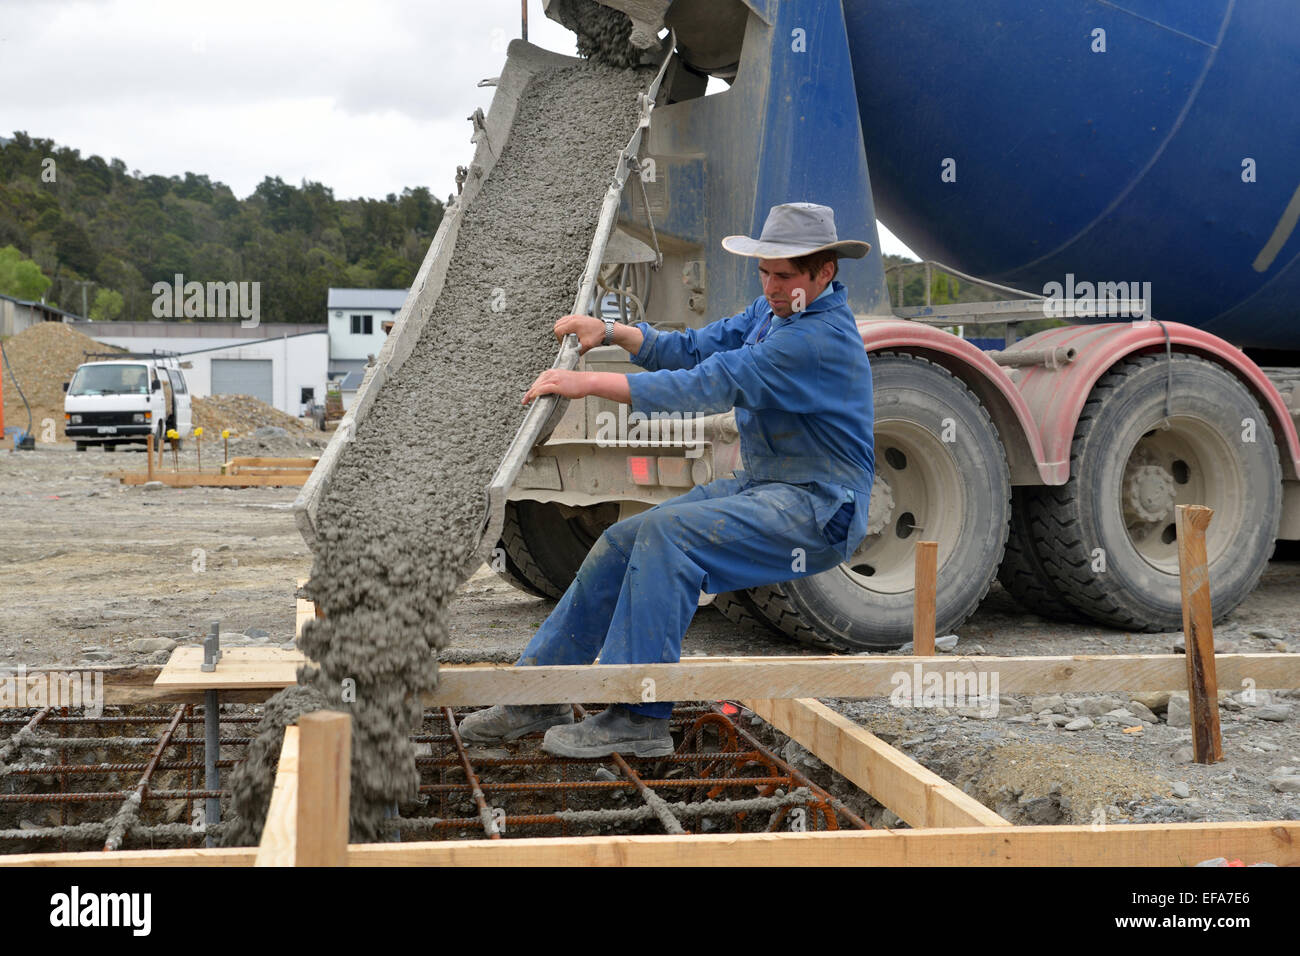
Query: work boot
[614, 730]
[512, 721]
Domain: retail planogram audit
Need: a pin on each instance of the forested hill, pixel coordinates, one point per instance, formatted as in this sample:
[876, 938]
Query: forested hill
[91, 224]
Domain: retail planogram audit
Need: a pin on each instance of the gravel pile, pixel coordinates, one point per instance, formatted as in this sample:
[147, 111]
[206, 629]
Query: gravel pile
[43, 357]
[242, 415]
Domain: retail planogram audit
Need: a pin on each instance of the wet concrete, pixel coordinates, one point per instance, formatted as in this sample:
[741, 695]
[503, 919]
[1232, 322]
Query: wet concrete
[405, 503]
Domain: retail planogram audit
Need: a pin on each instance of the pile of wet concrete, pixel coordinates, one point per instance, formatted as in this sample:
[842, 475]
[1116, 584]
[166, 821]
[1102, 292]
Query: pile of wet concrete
[404, 506]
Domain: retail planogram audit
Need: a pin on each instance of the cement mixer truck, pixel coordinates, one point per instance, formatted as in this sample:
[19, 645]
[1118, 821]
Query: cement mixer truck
[1127, 168]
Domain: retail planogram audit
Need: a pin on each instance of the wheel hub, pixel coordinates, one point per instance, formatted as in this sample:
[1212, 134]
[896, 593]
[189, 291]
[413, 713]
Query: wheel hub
[881, 509]
[1150, 492]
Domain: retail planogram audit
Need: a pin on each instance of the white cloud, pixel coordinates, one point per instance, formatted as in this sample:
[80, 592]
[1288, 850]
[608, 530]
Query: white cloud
[366, 98]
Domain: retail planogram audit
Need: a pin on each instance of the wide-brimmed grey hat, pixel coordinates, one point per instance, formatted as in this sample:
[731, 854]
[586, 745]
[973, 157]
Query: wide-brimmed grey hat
[796, 229]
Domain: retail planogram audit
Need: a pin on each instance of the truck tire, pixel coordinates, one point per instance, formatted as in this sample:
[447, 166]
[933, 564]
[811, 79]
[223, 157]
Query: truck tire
[547, 542]
[739, 608]
[1022, 573]
[1107, 537]
[941, 475]
[516, 564]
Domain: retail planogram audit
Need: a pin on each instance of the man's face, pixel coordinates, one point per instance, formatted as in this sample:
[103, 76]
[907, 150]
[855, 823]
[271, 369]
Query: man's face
[787, 288]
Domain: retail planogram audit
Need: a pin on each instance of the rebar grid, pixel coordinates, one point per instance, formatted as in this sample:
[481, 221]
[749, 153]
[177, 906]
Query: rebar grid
[720, 777]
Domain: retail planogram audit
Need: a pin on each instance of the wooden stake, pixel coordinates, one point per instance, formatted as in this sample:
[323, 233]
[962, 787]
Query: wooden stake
[1198, 632]
[324, 786]
[927, 562]
[149, 458]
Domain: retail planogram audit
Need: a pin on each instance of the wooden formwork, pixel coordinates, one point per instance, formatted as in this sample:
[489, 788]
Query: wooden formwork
[238, 472]
[307, 820]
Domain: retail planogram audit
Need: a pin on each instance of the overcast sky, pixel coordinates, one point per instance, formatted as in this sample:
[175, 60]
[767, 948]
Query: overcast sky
[364, 97]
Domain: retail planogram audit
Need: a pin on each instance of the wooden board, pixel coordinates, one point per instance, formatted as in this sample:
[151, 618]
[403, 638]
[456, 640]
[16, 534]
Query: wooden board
[196, 479]
[324, 789]
[918, 796]
[846, 677]
[1155, 844]
[718, 678]
[134, 684]
[240, 668]
[304, 611]
[279, 846]
[294, 464]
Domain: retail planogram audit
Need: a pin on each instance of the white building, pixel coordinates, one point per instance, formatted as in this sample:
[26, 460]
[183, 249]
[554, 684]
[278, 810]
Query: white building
[288, 372]
[357, 320]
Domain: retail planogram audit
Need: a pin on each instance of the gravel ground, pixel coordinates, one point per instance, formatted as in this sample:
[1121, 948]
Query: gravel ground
[89, 566]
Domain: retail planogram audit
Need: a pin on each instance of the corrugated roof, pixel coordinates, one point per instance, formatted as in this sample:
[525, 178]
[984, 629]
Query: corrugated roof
[367, 298]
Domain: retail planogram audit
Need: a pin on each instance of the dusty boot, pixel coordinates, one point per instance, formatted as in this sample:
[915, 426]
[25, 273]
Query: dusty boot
[614, 729]
[510, 722]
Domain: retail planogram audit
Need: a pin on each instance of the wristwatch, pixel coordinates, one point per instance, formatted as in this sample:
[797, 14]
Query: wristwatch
[609, 333]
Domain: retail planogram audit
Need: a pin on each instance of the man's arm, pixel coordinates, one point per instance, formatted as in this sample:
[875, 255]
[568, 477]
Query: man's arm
[654, 350]
[567, 384]
[781, 372]
[591, 332]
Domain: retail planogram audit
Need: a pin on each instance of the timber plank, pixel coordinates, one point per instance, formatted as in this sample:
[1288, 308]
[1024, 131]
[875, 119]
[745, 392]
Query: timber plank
[240, 668]
[279, 845]
[704, 678]
[917, 795]
[1154, 844]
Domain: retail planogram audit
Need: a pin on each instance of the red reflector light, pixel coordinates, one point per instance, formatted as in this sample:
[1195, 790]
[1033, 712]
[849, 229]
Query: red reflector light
[641, 470]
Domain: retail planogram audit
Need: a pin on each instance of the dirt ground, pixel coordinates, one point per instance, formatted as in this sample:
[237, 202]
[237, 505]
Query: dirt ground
[93, 571]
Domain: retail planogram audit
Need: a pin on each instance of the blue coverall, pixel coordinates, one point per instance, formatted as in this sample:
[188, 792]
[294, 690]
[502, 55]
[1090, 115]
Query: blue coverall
[801, 387]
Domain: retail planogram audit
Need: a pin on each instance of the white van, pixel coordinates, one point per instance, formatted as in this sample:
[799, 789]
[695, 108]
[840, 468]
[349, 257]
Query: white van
[123, 400]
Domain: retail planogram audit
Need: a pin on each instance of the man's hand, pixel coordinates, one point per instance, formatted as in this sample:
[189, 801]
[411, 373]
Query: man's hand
[567, 384]
[589, 330]
[558, 381]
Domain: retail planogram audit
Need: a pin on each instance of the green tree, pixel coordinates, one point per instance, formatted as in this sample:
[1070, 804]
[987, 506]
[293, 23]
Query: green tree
[107, 306]
[20, 277]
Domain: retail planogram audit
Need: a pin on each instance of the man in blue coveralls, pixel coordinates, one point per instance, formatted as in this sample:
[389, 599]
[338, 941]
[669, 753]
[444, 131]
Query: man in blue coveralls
[793, 366]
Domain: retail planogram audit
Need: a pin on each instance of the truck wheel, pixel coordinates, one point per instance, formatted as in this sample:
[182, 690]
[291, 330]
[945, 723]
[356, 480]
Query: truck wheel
[547, 542]
[1022, 573]
[81, 446]
[513, 561]
[109, 446]
[739, 608]
[941, 475]
[1107, 537]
